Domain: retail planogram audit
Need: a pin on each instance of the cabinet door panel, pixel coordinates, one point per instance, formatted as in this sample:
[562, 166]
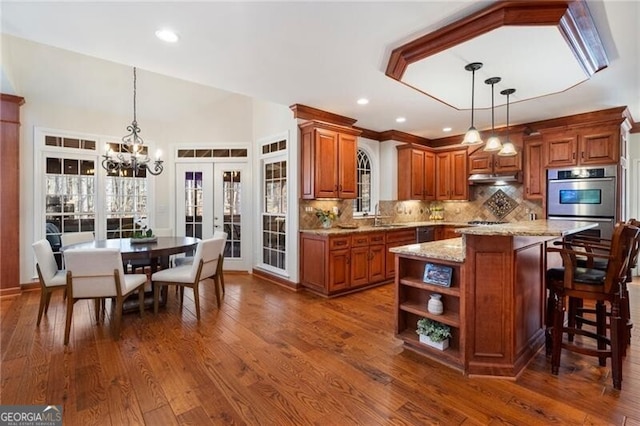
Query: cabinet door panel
[561, 149]
[480, 162]
[599, 146]
[534, 171]
[347, 176]
[359, 266]
[326, 173]
[377, 263]
[458, 183]
[429, 193]
[417, 174]
[443, 174]
[339, 271]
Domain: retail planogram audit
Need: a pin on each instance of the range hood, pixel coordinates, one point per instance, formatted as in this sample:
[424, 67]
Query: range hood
[494, 178]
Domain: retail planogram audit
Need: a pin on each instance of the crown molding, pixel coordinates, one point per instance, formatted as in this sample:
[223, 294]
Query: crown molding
[304, 112]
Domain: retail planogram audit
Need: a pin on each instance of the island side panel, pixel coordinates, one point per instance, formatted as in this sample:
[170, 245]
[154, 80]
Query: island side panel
[489, 262]
[505, 288]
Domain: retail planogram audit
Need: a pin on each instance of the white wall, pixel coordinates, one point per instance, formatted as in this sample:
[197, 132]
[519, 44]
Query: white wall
[389, 169]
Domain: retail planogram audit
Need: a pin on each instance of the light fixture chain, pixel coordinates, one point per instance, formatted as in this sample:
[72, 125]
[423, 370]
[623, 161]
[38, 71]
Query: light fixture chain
[135, 79]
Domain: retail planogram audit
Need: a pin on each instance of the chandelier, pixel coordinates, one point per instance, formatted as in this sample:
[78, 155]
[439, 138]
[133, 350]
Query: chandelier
[133, 158]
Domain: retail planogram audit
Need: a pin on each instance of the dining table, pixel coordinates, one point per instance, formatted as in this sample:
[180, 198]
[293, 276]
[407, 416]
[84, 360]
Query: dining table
[154, 252]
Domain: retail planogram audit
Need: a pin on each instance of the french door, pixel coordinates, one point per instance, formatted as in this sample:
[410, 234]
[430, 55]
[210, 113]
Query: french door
[213, 197]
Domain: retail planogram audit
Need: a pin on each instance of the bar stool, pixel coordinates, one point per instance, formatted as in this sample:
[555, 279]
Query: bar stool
[593, 284]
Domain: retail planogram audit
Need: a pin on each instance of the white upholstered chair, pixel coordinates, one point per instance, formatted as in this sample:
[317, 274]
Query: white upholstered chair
[98, 274]
[50, 277]
[219, 277]
[205, 265]
[76, 238]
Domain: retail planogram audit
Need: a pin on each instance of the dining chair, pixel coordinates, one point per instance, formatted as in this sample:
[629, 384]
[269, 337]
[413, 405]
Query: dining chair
[50, 277]
[571, 281]
[205, 265]
[76, 238]
[98, 274]
[219, 277]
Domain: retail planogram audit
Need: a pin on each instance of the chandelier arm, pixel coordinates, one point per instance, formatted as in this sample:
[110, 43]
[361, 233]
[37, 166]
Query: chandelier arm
[158, 168]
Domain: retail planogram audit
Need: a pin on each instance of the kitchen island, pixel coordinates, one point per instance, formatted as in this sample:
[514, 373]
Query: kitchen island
[495, 300]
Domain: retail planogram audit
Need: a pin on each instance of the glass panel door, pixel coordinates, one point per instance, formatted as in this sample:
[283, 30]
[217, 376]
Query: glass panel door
[274, 215]
[194, 200]
[230, 200]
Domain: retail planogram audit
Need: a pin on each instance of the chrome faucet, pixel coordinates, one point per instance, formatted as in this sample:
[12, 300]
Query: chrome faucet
[376, 217]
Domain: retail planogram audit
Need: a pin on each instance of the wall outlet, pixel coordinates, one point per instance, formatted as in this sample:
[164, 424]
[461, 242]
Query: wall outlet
[335, 210]
[308, 209]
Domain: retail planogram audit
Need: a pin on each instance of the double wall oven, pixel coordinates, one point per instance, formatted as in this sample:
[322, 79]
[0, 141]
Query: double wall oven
[586, 194]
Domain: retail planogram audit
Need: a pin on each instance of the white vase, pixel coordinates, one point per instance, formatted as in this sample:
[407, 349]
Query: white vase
[438, 345]
[435, 305]
[326, 223]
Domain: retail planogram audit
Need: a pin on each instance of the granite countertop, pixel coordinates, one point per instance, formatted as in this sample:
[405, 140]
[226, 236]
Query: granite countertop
[384, 227]
[532, 228]
[451, 250]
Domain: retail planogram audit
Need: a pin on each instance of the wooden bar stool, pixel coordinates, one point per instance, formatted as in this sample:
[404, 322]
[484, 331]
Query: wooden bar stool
[572, 281]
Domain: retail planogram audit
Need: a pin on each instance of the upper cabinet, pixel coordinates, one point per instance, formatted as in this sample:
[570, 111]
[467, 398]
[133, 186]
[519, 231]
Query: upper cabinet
[416, 173]
[595, 145]
[451, 175]
[328, 155]
[534, 170]
[481, 162]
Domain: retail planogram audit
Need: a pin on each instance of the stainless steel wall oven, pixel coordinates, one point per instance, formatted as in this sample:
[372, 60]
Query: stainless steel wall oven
[587, 194]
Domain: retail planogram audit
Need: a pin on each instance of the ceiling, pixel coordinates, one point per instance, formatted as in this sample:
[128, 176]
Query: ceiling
[327, 55]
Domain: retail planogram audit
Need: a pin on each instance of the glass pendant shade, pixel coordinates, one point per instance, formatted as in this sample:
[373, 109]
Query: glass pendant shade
[472, 137]
[508, 148]
[493, 144]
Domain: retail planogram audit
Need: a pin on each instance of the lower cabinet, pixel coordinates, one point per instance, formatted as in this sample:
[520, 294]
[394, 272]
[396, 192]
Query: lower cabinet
[396, 239]
[333, 265]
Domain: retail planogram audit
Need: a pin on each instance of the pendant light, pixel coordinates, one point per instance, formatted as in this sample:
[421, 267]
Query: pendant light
[493, 143]
[472, 137]
[508, 148]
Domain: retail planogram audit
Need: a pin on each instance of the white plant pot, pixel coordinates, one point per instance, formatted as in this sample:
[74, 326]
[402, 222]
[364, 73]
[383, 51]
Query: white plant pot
[438, 345]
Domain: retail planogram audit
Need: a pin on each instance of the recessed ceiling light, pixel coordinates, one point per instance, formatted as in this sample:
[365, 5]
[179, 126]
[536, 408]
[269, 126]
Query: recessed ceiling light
[400, 120]
[167, 35]
[363, 101]
[446, 129]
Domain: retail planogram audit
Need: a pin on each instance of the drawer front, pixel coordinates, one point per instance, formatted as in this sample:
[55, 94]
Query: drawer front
[337, 243]
[404, 235]
[378, 238]
[360, 240]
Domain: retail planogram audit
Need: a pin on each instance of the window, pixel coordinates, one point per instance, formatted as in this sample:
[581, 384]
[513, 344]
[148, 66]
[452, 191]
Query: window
[274, 205]
[78, 195]
[362, 203]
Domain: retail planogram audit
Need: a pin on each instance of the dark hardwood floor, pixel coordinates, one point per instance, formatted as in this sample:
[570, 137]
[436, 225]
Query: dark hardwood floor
[272, 356]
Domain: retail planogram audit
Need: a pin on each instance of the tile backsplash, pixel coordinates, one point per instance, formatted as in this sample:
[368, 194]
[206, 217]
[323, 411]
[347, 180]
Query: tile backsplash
[487, 202]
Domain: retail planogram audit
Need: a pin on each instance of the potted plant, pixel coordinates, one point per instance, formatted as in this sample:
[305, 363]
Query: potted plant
[434, 333]
[326, 217]
[144, 234]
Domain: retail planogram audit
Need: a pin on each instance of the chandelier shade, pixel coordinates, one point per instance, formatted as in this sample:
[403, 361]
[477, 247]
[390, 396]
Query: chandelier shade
[134, 158]
[508, 148]
[493, 143]
[472, 137]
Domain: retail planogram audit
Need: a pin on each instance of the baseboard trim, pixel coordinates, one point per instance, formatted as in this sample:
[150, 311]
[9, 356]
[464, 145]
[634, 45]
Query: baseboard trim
[290, 285]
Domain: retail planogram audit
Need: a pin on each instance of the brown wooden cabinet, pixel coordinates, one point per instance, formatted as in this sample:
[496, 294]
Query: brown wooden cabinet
[482, 162]
[333, 265]
[411, 305]
[451, 175]
[593, 145]
[416, 173]
[328, 156]
[535, 180]
[395, 239]
[444, 232]
[10, 194]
